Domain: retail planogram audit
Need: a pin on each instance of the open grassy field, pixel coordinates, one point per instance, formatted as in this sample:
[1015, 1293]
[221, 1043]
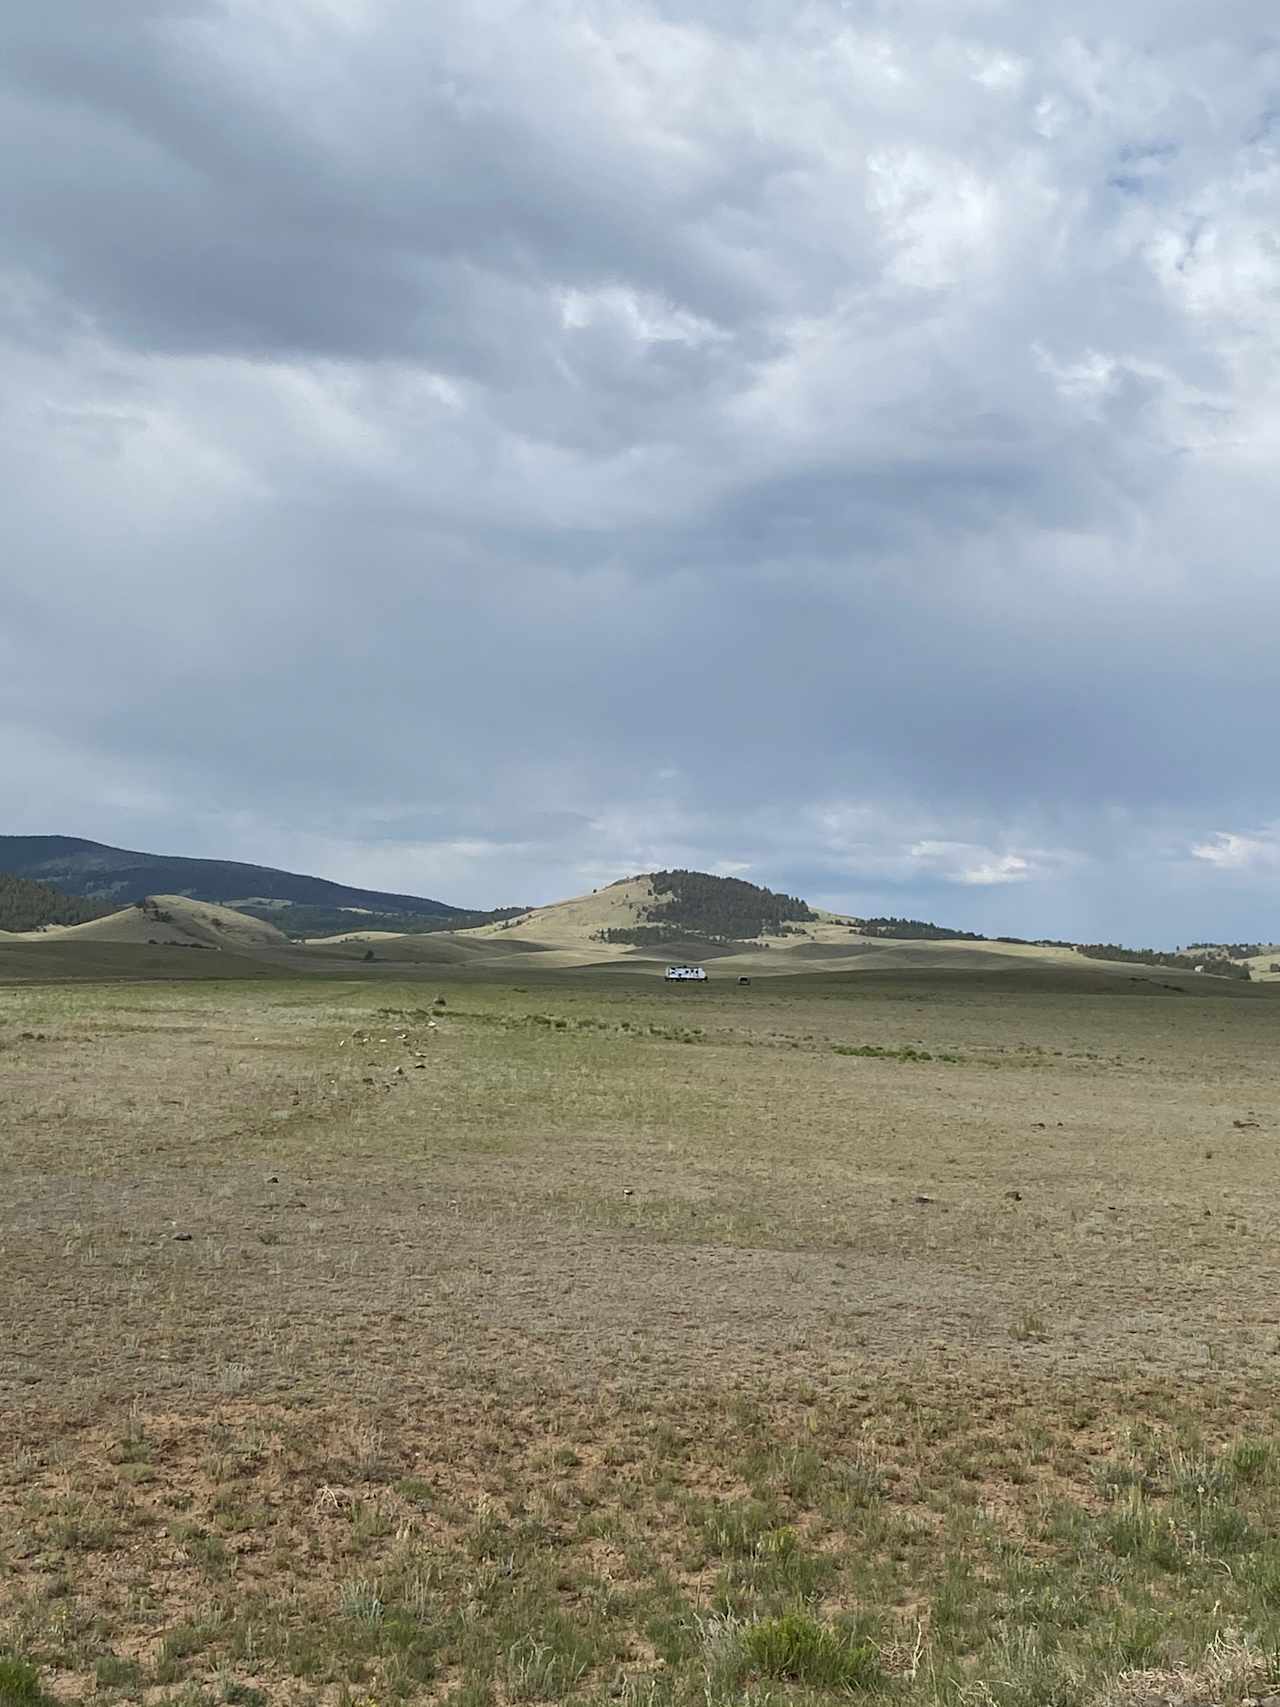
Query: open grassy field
[909, 1334]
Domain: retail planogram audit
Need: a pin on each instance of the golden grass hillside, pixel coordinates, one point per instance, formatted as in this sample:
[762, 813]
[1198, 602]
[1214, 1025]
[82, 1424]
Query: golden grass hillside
[575, 923]
[829, 942]
[168, 919]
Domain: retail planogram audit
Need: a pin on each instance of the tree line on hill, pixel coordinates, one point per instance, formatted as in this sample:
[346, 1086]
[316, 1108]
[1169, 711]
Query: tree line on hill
[299, 921]
[1218, 964]
[1232, 950]
[656, 936]
[914, 930]
[28, 906]
[711, 909]
[1215, 959]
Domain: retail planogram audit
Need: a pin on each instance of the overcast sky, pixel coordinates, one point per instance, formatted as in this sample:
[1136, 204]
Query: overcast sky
[488, 447]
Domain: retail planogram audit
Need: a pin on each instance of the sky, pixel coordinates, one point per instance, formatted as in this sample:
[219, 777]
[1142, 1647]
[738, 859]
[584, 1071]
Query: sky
[488, 448]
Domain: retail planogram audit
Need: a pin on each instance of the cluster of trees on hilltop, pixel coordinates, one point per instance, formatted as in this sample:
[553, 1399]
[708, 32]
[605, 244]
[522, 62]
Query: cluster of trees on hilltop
[304, 921]
[1036, 941]
[714, 909]
[654, 936]
[26, 906]
[915, 930]
[1217, 963]
[1232, 950]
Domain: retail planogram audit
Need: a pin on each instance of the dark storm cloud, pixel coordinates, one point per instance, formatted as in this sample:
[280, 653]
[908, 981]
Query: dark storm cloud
[493, 447]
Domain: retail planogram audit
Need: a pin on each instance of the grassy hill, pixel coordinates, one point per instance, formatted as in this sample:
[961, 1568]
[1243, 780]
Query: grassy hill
[638, 923]
[664, 909]
[173, 921]
[695, 905]
[124, 876]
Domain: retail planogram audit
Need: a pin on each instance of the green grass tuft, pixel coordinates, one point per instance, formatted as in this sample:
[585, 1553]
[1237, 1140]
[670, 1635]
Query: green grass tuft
[20, 1684]
[797, 1649]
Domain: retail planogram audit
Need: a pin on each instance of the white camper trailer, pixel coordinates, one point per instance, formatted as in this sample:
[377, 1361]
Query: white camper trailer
[685, 974]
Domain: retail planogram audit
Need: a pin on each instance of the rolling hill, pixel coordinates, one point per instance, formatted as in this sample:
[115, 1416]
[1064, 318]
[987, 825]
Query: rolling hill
[661, 909]
[124, 877]
[636, 925]
[170, 937]
[635, 922]
[645, 921]
[173, 921]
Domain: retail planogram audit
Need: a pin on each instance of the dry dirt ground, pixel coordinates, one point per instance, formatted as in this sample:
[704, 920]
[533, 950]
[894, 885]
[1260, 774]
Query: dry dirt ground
[591, 1340]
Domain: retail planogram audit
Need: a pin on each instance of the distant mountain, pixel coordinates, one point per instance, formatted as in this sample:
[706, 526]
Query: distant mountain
[123, 877]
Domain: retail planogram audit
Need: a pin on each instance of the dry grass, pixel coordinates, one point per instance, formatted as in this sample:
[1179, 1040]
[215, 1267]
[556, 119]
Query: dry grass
[593, 1341]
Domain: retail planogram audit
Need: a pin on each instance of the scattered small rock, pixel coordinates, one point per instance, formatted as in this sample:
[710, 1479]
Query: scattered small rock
[921, 1198]
[273, 1179]
[182, 1238]
[628, 1191]
[1015, 1195]
[1241, 1124]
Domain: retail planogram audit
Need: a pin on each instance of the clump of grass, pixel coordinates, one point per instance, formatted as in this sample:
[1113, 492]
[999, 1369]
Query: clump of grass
[360, 1600]
[20, 1684]
[180, 1644]
[861, 1479]
[112, 1672]
[735, 1530]
[1030, 1671]
[798, 1649]
[1250, 1459]
[1030, 1327]
[416, 1490]
[539, 1671]
[1197, 1477]
[1137, 1531]
[1262, 1575]
[1116, 1478]
[243, 1695]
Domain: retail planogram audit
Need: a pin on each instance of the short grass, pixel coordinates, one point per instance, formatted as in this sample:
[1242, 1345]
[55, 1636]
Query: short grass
[589, 1342]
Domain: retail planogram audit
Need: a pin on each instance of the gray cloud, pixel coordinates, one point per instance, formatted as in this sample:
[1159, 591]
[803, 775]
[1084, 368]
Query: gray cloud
[491, 448]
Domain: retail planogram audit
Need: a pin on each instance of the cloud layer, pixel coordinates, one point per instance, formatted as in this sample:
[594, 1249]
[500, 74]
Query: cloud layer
[493, 447]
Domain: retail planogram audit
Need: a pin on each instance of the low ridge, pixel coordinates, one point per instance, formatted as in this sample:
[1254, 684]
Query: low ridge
[125, 876]
[174, 921]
